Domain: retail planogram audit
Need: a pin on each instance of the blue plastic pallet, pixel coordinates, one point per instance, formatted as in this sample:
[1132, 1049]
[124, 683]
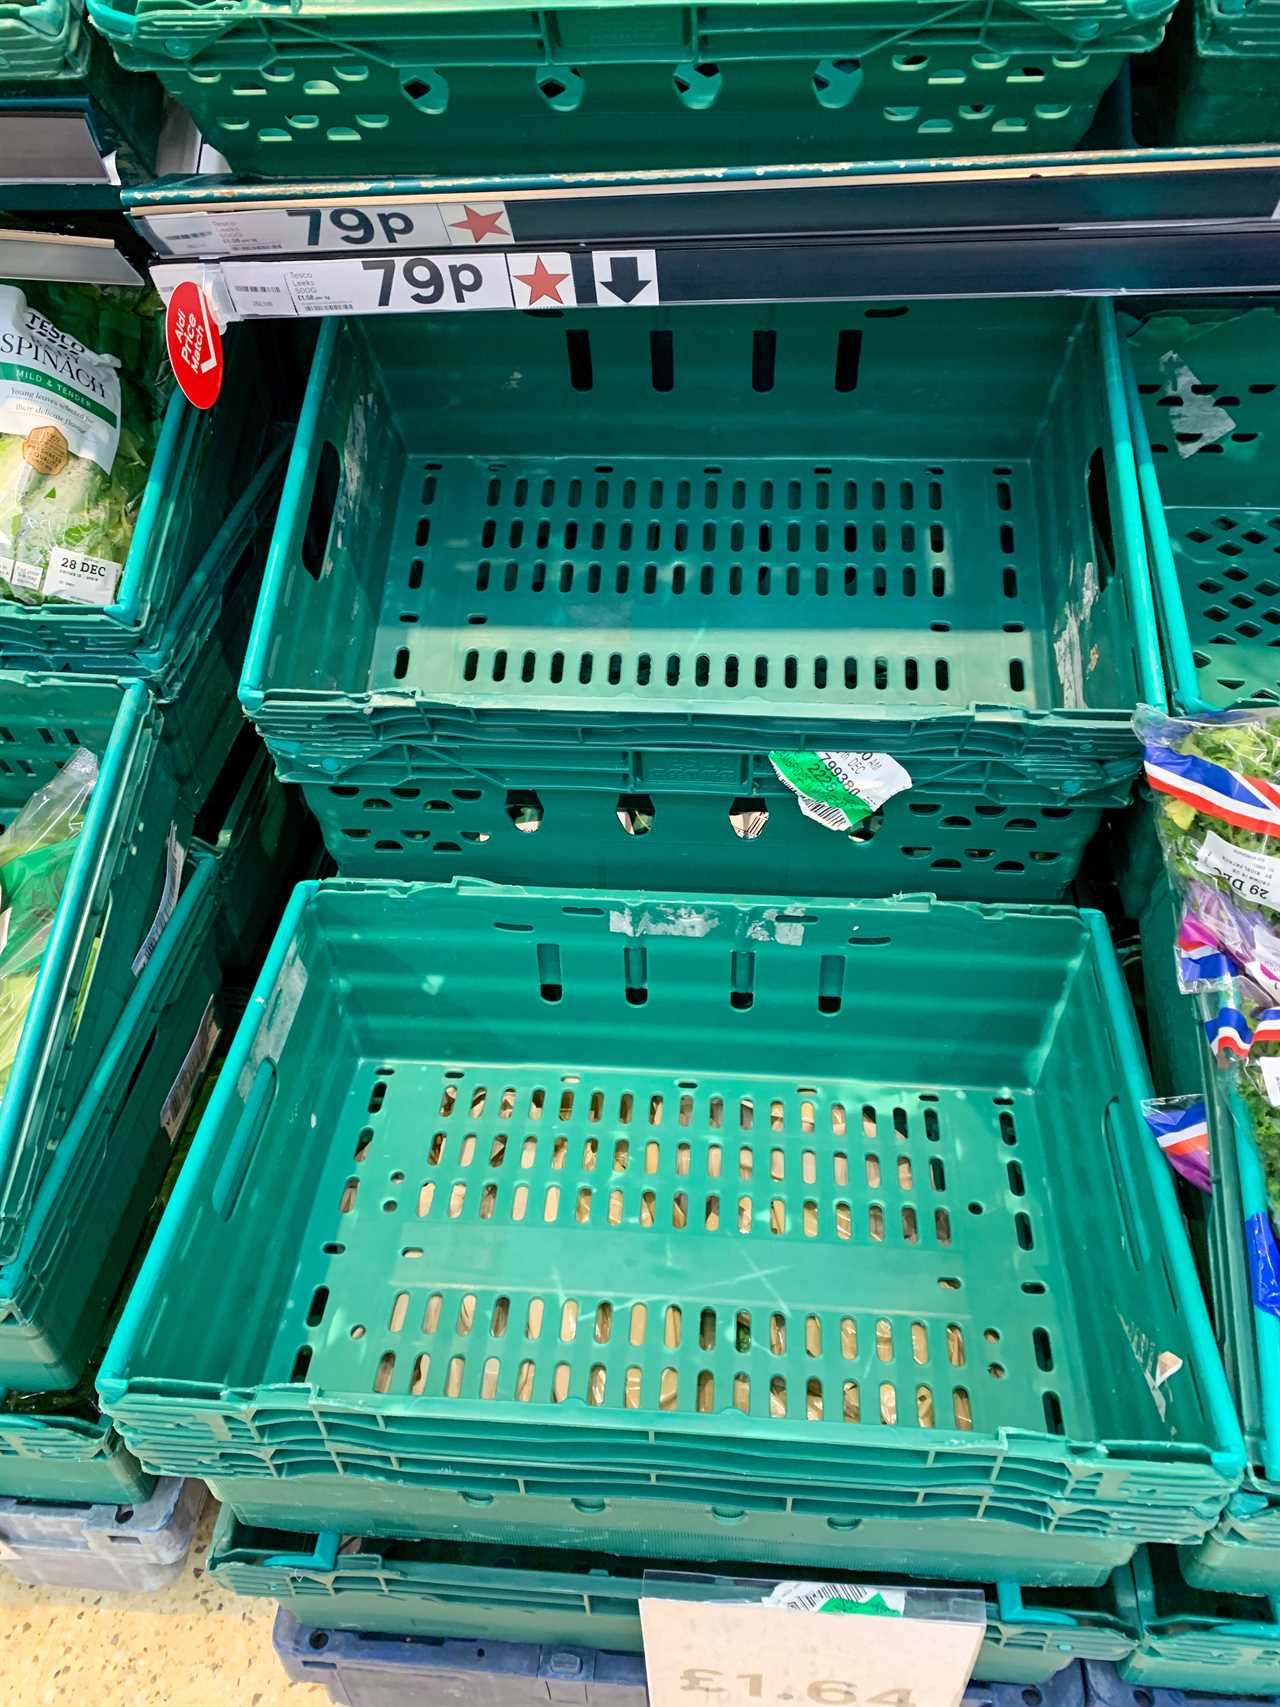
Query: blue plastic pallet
[137, 1548]
[1103, 1687]
[404, 1671]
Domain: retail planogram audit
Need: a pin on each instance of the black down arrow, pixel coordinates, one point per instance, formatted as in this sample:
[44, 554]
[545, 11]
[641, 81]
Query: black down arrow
[624, 278]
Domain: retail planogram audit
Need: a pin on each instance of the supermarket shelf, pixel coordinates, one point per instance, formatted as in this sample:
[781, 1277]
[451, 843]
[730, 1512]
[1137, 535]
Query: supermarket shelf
[66, 256]
[1100, 224]
[49, 158]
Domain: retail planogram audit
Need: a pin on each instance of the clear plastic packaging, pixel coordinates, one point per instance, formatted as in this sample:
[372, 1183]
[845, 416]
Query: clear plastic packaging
[35, 854]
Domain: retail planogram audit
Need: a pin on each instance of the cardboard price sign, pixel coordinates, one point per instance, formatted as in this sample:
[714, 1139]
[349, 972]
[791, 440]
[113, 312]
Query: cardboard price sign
[713, 1654]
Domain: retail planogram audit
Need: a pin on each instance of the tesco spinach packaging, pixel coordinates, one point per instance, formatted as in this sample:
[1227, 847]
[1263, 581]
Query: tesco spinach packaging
[80, 401]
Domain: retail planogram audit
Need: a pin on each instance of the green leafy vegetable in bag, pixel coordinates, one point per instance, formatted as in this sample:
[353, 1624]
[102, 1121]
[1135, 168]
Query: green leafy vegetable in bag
[35, 855]
[80, 402]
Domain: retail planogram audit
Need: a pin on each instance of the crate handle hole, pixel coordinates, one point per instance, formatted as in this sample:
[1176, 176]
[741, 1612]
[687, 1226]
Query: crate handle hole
[1100, 515]
[524, 810]
[698, 86]
[748, 818]
[320, 513]
[635, 813]
[562, 89]
[428, 91]
[836, 82]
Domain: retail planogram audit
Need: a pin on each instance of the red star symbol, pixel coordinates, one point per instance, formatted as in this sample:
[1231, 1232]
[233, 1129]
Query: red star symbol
[479, 225]
[542, 282]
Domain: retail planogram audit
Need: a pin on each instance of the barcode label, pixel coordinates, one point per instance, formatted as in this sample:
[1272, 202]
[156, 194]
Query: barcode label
[812, 1597]
[178, 1102]
[175, 856]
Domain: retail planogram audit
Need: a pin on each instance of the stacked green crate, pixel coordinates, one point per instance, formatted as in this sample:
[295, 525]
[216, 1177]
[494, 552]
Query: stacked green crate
[652, 1123]
[1190, 1638]
[1225, 63]
[1204, 399]
[492, 89]
[551, 626]
[578, 1599]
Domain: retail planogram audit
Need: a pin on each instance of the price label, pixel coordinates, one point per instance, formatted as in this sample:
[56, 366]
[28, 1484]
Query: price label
[390, 283]
[324, 227]
[730, 1655]
[1254, 876]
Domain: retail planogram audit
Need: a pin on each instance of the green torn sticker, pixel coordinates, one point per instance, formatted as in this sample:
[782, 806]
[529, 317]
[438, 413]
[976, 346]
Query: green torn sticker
[876, 1607]
[840, 789]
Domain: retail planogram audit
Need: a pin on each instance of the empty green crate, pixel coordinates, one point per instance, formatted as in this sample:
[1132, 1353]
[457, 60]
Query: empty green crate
[1193, 1638]
[1205, 400]
[734, 1293]
[579, 1599]
[688, 578]
[493, 89]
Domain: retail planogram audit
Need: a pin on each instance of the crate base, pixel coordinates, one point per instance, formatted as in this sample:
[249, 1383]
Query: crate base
[592, 573]
[958, 1549]
[1235, 1561]
[957, 98]
[134, 1548]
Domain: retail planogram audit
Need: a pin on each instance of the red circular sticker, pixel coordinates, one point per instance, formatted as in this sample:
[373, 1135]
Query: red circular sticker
[195, 347]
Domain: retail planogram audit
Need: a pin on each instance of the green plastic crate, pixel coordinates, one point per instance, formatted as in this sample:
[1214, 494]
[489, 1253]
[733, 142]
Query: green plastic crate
[580, 1599]
[706, 819]
[769, 1407]
[1204, 389]
[1242, 1554]
[1224, 64]
[118, 1153]
[440, 604]
[112, 894]
[321, 91]
[222, 466]
[37, 40]
[158, 766]
[1196, 1639]
[93, 1207]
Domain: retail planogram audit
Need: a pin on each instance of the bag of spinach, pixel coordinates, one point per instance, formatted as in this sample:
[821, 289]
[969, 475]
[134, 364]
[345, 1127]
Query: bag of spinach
[80, 401]
[1216, 782]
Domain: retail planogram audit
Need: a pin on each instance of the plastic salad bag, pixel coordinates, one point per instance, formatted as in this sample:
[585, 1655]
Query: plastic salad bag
[1180, 1126]
[35, 855]
[1216, 782]
[81, 392]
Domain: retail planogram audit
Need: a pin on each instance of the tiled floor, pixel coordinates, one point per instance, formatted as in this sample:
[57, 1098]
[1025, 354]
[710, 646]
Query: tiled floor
[188, 1646]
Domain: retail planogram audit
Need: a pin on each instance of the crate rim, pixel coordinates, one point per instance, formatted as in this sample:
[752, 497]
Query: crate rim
[1226, 1455]
[200, 892]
